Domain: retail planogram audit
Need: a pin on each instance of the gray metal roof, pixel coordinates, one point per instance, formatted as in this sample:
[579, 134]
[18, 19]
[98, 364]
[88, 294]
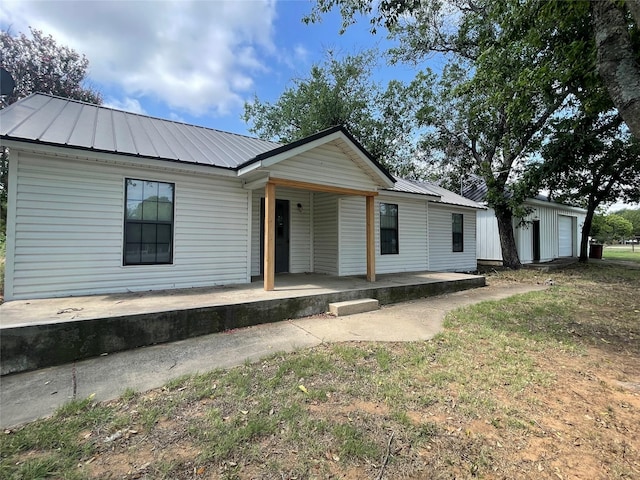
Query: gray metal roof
[51, 120]
[428, 188]
[59, 121]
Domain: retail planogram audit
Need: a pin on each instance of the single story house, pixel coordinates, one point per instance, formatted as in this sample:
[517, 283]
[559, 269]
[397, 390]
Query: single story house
[104, 201]
[551, 230]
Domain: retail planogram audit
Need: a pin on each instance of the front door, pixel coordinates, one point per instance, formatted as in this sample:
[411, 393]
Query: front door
[282, 236]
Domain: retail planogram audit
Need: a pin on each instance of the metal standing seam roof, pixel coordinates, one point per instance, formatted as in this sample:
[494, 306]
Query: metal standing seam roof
[428, 188]
[52, 120]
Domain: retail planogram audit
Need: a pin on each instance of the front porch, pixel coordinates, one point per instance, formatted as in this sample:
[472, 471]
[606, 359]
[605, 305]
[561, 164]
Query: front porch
[46, 332]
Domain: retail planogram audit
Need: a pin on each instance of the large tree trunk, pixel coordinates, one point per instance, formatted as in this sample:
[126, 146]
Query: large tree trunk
[584, 237]
[617, 62]
[510, 256]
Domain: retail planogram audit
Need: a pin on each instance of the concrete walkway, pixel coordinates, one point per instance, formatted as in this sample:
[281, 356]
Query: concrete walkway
[27, 396]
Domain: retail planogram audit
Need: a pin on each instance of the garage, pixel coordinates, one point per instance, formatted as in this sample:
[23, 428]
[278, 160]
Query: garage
[565, 236]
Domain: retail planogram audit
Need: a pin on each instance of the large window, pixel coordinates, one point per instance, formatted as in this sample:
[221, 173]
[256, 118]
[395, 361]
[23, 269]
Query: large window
[148, 222]
[388, 228]
[457, 230]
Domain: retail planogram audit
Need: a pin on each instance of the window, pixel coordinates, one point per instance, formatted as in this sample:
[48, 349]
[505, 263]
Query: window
[148, 222]
[388, 228]
[457, 232]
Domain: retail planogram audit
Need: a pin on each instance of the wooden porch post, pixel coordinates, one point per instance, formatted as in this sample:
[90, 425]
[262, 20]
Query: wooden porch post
[269, 236]
[371, 250]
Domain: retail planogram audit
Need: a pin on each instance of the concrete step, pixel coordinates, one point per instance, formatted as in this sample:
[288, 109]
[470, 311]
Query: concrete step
[350, 307]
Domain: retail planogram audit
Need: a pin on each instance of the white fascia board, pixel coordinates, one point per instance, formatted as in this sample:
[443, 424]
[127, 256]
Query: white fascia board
[115, 159]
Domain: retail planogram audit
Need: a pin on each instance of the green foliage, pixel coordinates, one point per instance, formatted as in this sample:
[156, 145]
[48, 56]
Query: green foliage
[341, 92]
[612, 227]
[39, 64]
[634, 217]
[510, 68]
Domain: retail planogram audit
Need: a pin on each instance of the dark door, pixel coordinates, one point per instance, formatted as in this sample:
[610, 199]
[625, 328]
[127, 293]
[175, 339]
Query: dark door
[535, 241]
[282, 236]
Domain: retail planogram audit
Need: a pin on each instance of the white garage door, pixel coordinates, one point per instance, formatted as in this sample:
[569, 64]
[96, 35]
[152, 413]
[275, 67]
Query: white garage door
[565, 236]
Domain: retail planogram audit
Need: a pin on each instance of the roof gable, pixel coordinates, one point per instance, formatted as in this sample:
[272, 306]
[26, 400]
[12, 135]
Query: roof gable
[337, 136]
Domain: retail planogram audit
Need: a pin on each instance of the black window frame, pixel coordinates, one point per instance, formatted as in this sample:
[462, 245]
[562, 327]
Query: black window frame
[457, 237]
[146, 226]
[386, 246]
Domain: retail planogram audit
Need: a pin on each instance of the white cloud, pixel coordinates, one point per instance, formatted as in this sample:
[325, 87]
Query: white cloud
[198, 57]
[127, 104]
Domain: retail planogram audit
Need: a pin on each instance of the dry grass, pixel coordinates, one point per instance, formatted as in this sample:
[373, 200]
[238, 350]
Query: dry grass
[543, 385]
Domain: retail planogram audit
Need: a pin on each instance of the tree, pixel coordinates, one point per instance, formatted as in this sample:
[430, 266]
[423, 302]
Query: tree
[39, 64]
[612, 227]
[616, 25]
[514, 67]
[617, 37]
[634, 217]
[341, 92]
[509, 71]
[592, 160]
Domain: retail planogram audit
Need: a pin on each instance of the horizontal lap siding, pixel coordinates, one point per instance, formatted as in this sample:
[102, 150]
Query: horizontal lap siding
[69, 230]
[325, 233]
[441, 254]
[325, 165]
[300, 229]
[412, 238]
[353, 236]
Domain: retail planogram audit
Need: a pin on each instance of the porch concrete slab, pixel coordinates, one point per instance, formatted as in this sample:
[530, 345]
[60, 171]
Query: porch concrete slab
[30, 395]
[55, 310]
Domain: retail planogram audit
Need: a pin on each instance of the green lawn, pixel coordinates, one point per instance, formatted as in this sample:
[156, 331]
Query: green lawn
[622, 252]
[536, 386]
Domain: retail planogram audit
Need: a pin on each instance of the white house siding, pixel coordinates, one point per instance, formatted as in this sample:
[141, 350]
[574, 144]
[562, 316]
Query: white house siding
[325, 165]
[488, 241]
[325, 233]
[69, 230]
[352, 236]
[412, 237]
[441, 254]
[300, 246]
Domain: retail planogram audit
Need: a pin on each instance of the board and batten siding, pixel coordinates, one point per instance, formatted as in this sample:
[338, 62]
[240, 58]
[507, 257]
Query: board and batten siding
[324, 165]
[70, 220]
[300, 244]
[441, 254]
[325, 233]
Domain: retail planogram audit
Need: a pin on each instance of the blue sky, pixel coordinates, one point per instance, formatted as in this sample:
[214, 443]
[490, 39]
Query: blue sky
[194, 61]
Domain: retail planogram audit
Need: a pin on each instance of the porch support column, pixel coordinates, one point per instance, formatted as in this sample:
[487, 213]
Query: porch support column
[371, 250]
[269, 236]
